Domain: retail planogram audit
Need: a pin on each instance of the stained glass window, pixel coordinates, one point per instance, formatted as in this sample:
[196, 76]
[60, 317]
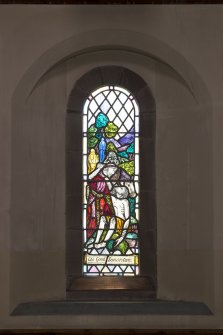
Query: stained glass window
[110, 183]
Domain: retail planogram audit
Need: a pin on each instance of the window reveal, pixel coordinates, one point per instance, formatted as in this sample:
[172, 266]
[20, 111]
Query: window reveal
[110, 183]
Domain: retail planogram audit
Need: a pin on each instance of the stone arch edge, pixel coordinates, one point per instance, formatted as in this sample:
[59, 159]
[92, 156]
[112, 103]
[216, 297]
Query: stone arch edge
[118, 40]
[83, 87]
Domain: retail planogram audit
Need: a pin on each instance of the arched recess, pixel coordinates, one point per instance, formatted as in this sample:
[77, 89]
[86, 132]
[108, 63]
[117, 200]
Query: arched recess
[113, 39]
[143, 286]
[192, 135]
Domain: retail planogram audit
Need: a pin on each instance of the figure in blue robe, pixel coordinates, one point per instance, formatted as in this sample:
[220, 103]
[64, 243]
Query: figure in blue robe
[102, 150]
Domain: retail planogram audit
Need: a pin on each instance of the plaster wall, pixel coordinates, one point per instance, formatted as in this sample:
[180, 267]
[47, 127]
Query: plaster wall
[184, 120]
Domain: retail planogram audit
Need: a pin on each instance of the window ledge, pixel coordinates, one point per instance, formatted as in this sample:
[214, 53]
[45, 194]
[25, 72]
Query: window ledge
[158, 307]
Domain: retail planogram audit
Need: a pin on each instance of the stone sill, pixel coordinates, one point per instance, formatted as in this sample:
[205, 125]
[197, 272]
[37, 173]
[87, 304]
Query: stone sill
[152, 307]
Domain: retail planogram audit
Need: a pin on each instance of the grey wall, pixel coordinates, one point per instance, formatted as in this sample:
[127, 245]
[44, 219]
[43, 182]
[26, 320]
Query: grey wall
[177, 51]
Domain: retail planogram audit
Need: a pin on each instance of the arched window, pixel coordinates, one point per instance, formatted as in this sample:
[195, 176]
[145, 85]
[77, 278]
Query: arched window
[111, 183]
[110, 206]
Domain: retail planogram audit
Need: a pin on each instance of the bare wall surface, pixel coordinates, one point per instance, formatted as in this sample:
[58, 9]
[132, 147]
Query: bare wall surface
[188, 149]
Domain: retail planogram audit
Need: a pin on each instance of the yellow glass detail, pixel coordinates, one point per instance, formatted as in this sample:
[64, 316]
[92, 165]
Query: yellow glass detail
[93, 159]
[136, 259]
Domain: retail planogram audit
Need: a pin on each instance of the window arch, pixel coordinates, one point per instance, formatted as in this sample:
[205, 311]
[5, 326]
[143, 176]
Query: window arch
[98, 81]
[110, 183]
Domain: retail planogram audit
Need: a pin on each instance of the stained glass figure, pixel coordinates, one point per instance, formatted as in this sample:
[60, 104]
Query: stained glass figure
[110, 183]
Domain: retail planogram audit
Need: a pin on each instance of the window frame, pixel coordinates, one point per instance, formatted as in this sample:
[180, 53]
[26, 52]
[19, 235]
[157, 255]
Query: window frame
[143, 286]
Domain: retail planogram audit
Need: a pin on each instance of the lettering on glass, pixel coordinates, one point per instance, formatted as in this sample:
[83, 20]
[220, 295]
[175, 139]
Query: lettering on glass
[110, 183]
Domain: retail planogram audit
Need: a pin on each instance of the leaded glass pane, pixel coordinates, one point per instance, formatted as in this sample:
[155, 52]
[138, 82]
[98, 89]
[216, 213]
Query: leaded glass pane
[110, 183]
